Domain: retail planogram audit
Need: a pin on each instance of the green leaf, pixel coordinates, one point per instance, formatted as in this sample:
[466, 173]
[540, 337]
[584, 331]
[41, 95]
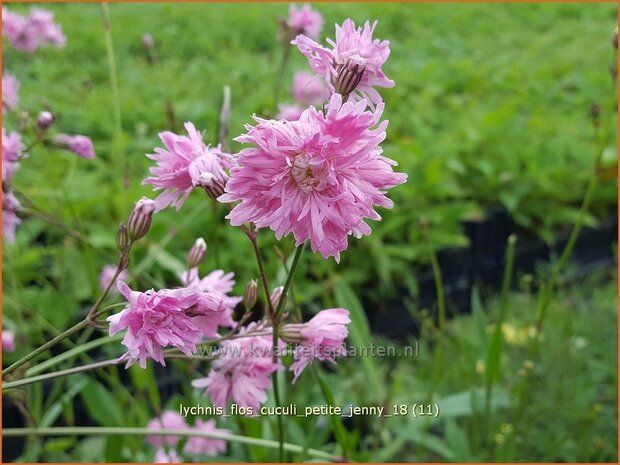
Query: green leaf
[464, 403]
[101, 404]
[359, 334]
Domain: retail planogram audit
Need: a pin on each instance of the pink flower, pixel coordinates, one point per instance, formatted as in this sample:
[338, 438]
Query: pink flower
[10, 89]
[205, 445]
[47, 31]
[289, 112]
[8, 341]
[305, 21]
[27, 33]
[12, 152]
[161, 456]
[241, 372]
[317, 178]
[309, 89]
[82, 146]
[354, 44]
[106, 275]
[167, 420]
[216, 305]
[322, 338]
[10, 220]
[182, 164]
[155, 320]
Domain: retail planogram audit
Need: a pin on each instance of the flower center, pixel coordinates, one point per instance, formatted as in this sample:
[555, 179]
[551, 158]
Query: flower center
[303, 174]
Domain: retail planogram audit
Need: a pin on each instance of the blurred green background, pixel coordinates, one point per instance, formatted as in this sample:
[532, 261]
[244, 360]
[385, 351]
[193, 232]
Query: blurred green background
[491, 110]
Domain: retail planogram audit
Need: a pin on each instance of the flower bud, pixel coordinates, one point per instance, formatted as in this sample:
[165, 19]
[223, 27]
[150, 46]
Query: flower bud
[292, 333]
[82, 146]
[349, 76]
[275, 296]
[197, 253]
[212, 184]
[250, 295]
[614, 38]
[148, 41]
[122, 238]
[45, 120]
[140, 218]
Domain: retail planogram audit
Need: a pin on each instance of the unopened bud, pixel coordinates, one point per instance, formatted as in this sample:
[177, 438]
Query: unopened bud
[147, 40]
[140, 218]
[614, 38]
[213, 185]
[197, 253]
[275, 296]
[122, 238]
[349, 76]
[45, 120]
[250, 295]
[292, 333]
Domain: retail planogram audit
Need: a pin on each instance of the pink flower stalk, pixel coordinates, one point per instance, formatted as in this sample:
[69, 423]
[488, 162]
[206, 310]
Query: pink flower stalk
[322, 338]
[203, 445]
[10, 92]
[182, 165]
[27, 33]
[10, 220]
[12, 152]
[354, 44]
[8, 340]
[167, 420]
[317, 178]
[309, 89]
[155, 320]
[242, 371]
[161, 456]
[289, 112]
[82, 146]
[216, 306]
[305, 21]
[106, 275]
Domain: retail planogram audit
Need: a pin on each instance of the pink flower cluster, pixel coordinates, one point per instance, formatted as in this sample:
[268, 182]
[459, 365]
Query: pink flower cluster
[322, 338]
[355, 44]
[155, 320]
[12, 153]
[317, 178]
[305, 21]
[106, 275]
[218, 285]
[307, 90]
[184, 163]
[195, 445]
[242, 370]
[27, 33]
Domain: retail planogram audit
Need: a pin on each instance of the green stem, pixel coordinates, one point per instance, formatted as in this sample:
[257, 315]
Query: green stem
[252, 235]
[59, 374]
[65, 334]
[276, 328]
[114, 431]
[76, 351]
[109, 46]
[441, 298]
[287, 284]
[495, 349]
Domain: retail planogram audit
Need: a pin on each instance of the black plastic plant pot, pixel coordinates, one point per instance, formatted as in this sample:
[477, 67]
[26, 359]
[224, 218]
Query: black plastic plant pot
[12, 448]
